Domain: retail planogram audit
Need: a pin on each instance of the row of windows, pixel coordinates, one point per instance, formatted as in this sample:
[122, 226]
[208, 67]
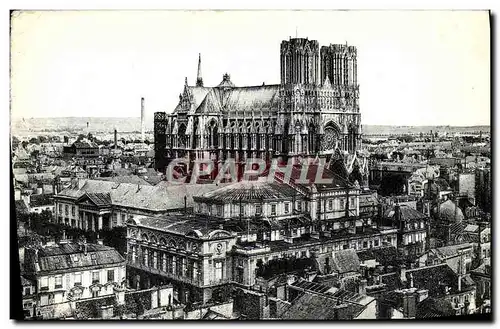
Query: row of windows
[179, 266]
[66, 209]
[240, 209]
[58, 279]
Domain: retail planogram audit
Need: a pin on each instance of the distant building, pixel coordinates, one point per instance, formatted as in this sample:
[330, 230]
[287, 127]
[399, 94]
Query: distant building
[412, 227]
[83, 148]
[96, 204]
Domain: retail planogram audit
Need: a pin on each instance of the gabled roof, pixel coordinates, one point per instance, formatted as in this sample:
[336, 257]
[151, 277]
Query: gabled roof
[98, 199]
[227, 97]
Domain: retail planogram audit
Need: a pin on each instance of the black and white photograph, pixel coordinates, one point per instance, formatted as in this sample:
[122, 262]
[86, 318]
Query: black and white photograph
[250, 165]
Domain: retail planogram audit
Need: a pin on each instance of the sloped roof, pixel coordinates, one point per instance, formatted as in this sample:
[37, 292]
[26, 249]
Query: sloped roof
[471, 228]
[407, 213]
[345, 261]
[432, 308]
[434, 278]
[99, 199]
[69, 256]
[131, 179]
[181, 224]
[153, 198]
[367, 200]
[212, 315]
[219, 99]
[250, 191]
[451, 251]
[311, 306]
[385, 256]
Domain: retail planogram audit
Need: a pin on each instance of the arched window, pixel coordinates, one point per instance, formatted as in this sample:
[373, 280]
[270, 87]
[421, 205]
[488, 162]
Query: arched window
[213, 134]
[182, 136]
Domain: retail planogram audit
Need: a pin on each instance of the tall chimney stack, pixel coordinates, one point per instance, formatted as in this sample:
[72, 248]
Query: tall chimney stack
[142, 119]
[116, 139]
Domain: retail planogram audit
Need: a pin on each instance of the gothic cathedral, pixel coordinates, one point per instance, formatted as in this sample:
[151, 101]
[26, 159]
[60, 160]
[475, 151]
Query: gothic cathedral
[313, 112]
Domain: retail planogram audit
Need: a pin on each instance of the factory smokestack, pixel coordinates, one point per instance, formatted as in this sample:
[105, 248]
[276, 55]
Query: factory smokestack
[116, 139]
[142, 119]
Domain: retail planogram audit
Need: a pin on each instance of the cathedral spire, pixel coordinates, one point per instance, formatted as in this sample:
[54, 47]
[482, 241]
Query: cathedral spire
[199, 79]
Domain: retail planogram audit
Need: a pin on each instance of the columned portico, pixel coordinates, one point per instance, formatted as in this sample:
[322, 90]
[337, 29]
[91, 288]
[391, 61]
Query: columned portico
[95, 210]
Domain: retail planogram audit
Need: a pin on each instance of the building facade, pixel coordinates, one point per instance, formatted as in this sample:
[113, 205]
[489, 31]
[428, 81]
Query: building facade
[312, 112]
[238, 228]
[71, 271]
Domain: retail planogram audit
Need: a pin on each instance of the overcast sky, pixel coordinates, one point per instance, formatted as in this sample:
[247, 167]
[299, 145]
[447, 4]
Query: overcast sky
[414, 67]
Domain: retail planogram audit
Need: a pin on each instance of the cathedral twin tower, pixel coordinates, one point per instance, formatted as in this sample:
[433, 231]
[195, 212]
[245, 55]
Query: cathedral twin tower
[300, 61]
[314, 111]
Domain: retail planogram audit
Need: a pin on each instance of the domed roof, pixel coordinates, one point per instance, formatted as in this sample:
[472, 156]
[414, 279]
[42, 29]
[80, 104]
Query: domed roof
[248, 191]
[450, 211]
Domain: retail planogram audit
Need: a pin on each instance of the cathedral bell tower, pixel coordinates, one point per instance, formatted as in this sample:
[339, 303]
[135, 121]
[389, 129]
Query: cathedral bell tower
[299, 61]
[298, 116]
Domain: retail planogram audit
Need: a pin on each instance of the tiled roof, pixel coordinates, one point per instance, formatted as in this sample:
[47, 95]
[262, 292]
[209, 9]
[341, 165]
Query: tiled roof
[180, 224]
[345, 261]
[217, 99]
[451, 251]
[99, 199]
[130, 179]
[70, 256]
[385, 256]
[251, 191]
[434, 278]
[325, 306]
[337, 180]
[407, 213]
[432, 308]
[311, 306]
[153, 198]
